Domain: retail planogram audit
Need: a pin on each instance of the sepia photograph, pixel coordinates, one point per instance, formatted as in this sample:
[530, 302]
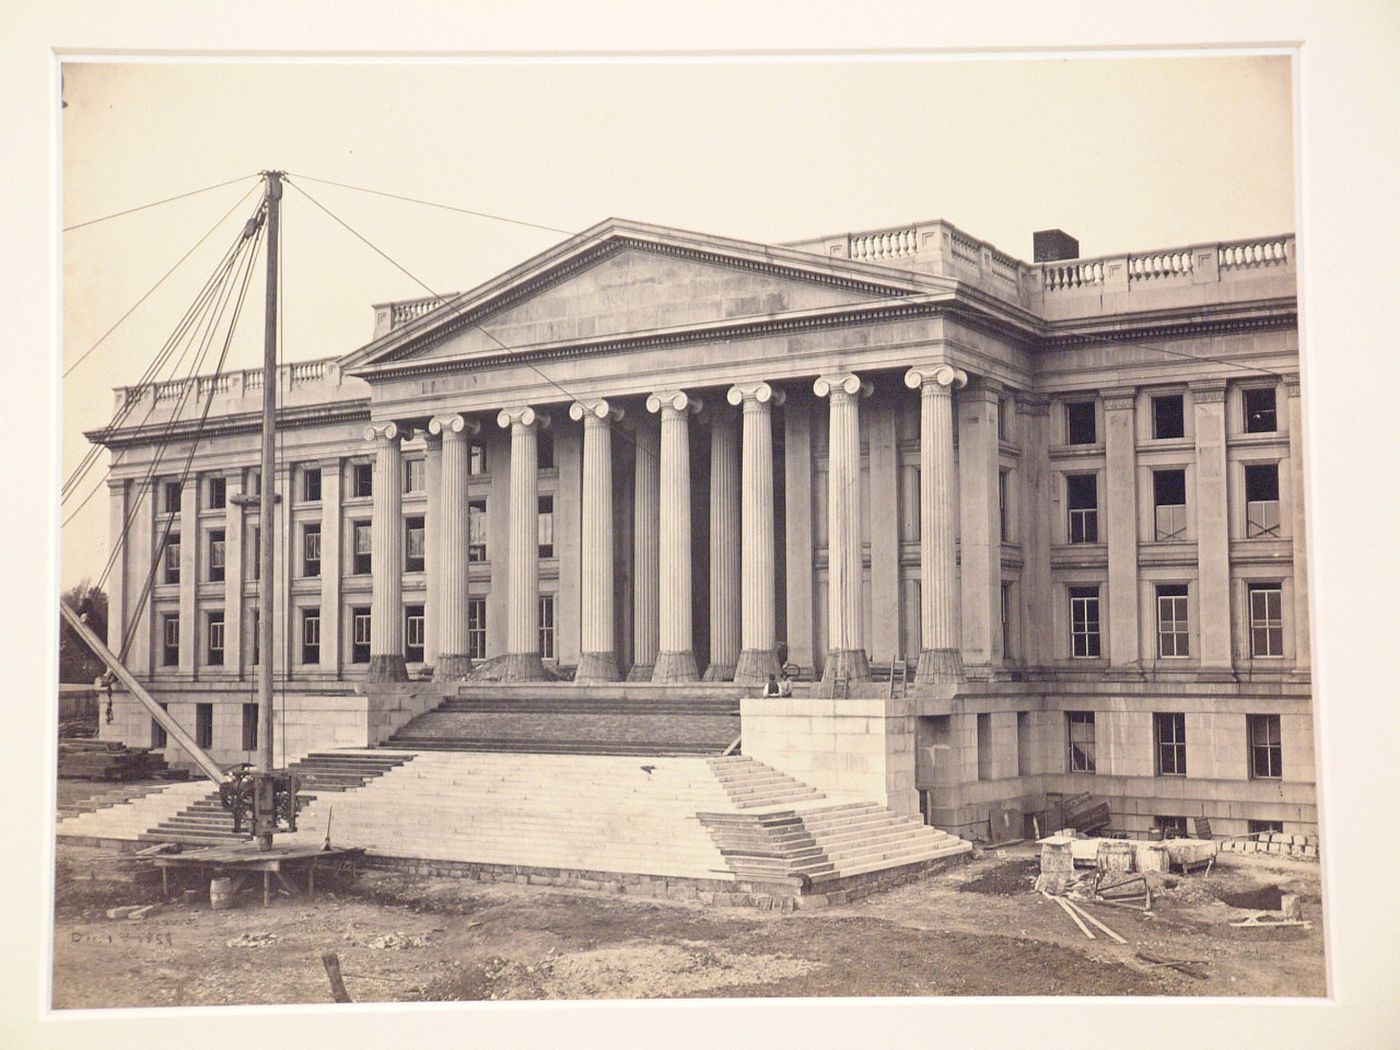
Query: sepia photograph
[715, 527]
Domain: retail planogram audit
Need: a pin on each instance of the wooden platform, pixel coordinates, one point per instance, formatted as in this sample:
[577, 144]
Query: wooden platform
[239, 862]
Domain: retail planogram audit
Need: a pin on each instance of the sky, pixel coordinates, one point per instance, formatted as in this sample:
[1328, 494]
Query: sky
[1123, 153]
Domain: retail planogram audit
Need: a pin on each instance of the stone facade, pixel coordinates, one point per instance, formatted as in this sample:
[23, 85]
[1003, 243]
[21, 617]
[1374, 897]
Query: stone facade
[1067, 496]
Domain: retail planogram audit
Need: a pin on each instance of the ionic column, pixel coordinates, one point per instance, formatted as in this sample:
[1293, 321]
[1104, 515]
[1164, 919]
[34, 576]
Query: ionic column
[675, 662]
[940, 656]
[846, 656]
[724, 546]
[522, 662]
[758, 658]
[597, 660]
[646, 532]
[386, 663]
[453, 664]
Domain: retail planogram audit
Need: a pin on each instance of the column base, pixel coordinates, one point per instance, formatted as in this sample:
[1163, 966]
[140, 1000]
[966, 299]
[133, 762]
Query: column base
[597, 667]
[851, 664]
[386, 669]
[718, 673]
[522, 667]
[755, 665]
[640, 672]
[675, 667]
[939, 665]
[452, 668]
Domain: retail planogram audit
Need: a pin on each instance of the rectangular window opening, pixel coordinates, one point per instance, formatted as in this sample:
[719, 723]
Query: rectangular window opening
[170, 639]
[1265, 619]
[547, 626]
[1169, 502]
[476, 628]
[360, 560]
[1084, 621]
[250, 727]
[311, 484]
[546, 527]
[1082, 495]
[1261, 500]
[1168, 417]
[1173, 630]
[311, 636]
[218, 493]
[359, 635]
[1261, 411]
[172, 558]
[1081, 427]
[1265, 747]
[311, 549]
[204, 725]
[1169, 732]
[413, 634]
[984, 747]
[414, 473]
[214, 650]
[476, 460]
[414, 545]
[216, 555]
[1079, 729]
[476, 530]
[362, 479]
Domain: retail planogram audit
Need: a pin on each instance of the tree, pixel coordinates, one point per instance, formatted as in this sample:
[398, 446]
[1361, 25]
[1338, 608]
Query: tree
[77, 663]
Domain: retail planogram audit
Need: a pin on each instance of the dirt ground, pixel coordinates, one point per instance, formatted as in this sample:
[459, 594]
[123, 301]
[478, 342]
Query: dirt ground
[976, 930]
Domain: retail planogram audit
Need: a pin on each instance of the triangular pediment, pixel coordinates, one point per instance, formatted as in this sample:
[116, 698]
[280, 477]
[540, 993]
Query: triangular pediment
[622, 280]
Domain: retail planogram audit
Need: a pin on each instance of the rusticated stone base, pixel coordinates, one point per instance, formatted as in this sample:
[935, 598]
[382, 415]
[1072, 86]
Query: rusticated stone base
[597, 667]
[851, 664]
[719, 673]
[675, 667]
[939, 665]
[755, 665]
[640, 672]
[389, 668]
[452, 668]
[522, 667]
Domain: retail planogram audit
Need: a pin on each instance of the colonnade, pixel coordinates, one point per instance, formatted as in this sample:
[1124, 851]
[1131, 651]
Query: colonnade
[743, 577]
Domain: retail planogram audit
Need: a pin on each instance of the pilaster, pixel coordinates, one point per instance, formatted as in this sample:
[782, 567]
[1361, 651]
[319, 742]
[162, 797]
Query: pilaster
[980, 543]
[233, 573]
[1212, 527]
[1036, 594]
[332, 562]
[1302, 635]
[1120, 454]
[191, 557]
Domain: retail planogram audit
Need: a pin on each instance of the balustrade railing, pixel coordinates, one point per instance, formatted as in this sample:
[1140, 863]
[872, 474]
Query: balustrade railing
[1175, 263]
[1250, 254]
[1059, 276]
[886, 244]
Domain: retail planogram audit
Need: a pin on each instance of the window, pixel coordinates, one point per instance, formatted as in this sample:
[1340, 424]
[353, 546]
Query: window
[360, 550]
[545, 447]
[1170, 827]
[1261, 411]
[1081, 428]
[311, 549]
[1169, 732]
[984, 747]
[546, 527]
[311, 636]
[204, 725]
[1173, 633]
[216, 555]
[476, 628]
[158, 734]
[476, 460]
[547, 626]
[254, 560]
[214, 645]
[1261, 500]
[170, 497]
[1265, 827]
[413, 475]
[1006, 607]
[1003, 503]
[359, 635]
[1003, 419]
[1082, 493]
[311, 484]
[1265, 619]
[250, 727]
[1168, 417]
[172, 557]
[170, 639]
[1265, 747]
[1084, 621]
[1169, 500]
[1024, 747]
[413, 634]
[254, 636]
[413, 548]
[476, 530]
[1079, 729]
[218, 493]
[362, 479]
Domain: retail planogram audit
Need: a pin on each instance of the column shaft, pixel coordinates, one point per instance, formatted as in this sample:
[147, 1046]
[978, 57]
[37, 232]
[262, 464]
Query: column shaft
[847, 657]
[597, 660]
[724, 548]
[758, 659]
[675, 660]
[386, 662]
[646, 528]
[523, 582]
[453, 661]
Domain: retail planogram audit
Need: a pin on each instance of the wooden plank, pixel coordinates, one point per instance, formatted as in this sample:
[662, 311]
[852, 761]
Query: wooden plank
[1085, 913]
[332, 964]
[1065, 907]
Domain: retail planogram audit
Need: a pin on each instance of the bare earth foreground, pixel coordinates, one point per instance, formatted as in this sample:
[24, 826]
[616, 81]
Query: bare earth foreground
[975, 930]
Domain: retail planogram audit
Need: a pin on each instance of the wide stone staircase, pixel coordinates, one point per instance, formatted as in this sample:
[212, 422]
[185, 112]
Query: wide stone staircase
[616, 719]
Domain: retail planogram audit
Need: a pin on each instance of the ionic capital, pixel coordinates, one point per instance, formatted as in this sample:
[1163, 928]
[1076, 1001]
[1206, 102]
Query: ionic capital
[939, 377]
[522, 414]
[389, 431]
[842, 384]
[599, 411]
[762, 393]
[677, 400]
[456, 423]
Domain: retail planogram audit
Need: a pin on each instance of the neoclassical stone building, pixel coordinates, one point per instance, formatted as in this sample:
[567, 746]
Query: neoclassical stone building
[1064, 498]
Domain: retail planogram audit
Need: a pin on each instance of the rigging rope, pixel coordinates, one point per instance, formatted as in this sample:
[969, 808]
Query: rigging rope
[152, 204]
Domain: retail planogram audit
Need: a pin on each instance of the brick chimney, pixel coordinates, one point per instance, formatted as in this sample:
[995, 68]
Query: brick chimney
[1054, 246]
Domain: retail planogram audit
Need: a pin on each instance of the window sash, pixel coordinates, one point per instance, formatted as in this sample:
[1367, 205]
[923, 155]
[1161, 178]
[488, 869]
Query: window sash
[1265, 747]
[1084, 525]
[216, 550]
[360, 628]
[1081, 736]
[218, 493]
[363, 538]
[413, 630]
[311, 628]
[1266, 621]
[1171, 744]
[415, 543]
[311, 485]
[1261, 518]
[1173, 627]
[476, 460]
[476, 628]
[311, 545]
[546, 610]
[413, 475]
[1171, 522]
[216, 635]
[171, 631]
[1084, 625]
[172, 558]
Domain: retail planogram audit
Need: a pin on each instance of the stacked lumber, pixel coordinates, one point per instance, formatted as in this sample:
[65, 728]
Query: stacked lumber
[107, 760]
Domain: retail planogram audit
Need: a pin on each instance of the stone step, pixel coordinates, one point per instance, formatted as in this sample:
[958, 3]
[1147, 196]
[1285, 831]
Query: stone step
[537, 747]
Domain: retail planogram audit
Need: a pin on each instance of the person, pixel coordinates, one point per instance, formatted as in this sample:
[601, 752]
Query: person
[784, 684]
[771, 689]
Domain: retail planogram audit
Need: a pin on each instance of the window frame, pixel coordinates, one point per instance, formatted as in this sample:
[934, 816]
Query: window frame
[1081, 522]
[1157, 421]
[544, 525]
[476, 627]
[217, 493]
[414, 623]
[415, 524]
[170, 639]
[476, 460]
[1270, 748]
[1173, 529]
[1173, 620]
[311, 634]
[311, 478]
[477, 526]
[1262, 517]
[1169, 747]
[1092, 626]
[1093, 419]
[218, 554]
[310, 566]
[1090, 757]
[214, 632]
[361, 561]
[360, 641]
[547, 626]
[1272, 410]
[204, 725]
[170, 558]
[1270, 626]
[362, 480]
